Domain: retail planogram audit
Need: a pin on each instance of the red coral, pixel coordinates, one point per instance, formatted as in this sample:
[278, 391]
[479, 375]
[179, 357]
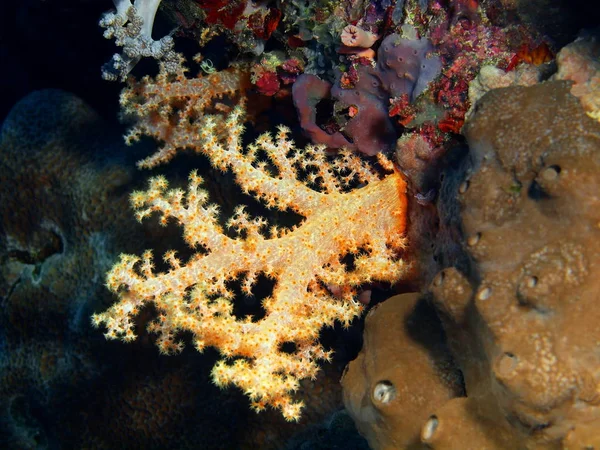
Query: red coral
[465, 9]
[289, 70]
[451, 125]
[263, 25]
[432, 134]
[271, 21]
[537, 55]
[349, 78]
[225, 12]
[268, 83]
[295, 42]
[402, 108]
[352, 110]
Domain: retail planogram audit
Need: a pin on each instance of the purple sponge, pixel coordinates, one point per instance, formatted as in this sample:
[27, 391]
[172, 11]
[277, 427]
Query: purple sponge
[404, 66]
[407, 66]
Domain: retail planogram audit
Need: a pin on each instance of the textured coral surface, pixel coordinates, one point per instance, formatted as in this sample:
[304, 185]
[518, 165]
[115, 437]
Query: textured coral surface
[520, 313]
[524, 327]
[403, 342]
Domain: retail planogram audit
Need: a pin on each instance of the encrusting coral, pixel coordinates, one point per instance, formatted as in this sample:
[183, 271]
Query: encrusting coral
[339, 221]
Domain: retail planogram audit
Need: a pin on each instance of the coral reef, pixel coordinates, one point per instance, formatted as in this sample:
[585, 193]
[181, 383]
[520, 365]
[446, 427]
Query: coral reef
[404, 67]
[523, 327]
[61, 385]
[491, 77]
[502, 345]
[62, 220]
[413, 84]
[467, 40]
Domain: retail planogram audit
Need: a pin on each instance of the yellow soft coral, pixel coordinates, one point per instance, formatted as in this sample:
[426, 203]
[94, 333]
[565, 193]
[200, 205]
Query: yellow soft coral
[367, 222]
[169, 106]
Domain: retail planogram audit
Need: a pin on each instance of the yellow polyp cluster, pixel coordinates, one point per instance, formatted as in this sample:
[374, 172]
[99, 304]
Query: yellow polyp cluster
[152, 101]
[306, 261]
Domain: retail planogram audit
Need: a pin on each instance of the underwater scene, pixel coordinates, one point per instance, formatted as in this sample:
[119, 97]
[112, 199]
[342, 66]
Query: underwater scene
[300, 225]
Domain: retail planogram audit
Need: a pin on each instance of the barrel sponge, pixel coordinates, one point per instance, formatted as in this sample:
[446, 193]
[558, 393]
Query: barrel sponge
[62, 218]
[520, 315]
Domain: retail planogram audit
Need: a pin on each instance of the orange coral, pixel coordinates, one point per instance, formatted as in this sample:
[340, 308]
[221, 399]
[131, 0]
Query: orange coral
[152, 103]
[367, 223]
[531, 55]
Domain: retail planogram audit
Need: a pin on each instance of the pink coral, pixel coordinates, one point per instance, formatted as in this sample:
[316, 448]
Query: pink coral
[580, 63]
[353, 36]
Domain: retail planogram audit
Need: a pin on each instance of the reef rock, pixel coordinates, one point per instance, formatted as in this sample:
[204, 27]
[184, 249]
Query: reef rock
[63, 216]
[580, 62]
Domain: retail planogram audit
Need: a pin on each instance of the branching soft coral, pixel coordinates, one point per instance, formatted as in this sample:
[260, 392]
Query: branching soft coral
[131, 27]
[366, 222]
[170, 106]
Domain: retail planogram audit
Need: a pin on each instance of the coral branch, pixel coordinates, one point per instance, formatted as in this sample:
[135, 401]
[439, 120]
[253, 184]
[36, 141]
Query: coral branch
[171, 106]
[131, 26]
[338, 221]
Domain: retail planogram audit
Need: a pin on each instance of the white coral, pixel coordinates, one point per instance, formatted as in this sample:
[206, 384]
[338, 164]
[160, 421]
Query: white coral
[131, 27]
